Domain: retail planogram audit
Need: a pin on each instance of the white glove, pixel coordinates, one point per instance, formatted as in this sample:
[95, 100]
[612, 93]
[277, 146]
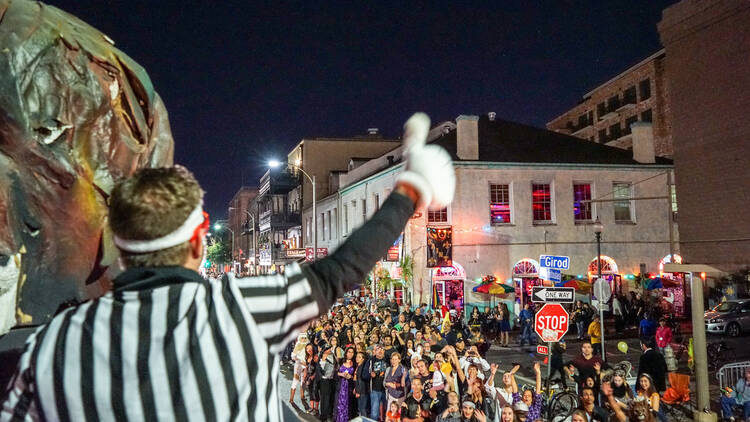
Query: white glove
[429, 168]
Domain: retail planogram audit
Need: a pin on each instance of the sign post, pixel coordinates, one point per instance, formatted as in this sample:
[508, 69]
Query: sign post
[551, 324]
[553, 294]
[603, 293]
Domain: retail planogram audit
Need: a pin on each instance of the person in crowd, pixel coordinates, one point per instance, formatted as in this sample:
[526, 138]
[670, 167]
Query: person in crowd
[739, 396]
[508, 414]
[557, 364]
[327, 383]
[532, 399]
[312, 378]
[362, 384]
[377, 367]
[618, 312]
[526, 317]
[452, 411]
[587, 365]
[395, 381]
[595, 334]
[475, 322]
[347, 367]
[504, 321]
[644, 390]
[504, 393]
[594, 413]
[472, 356]
[647, 327]
[579, 317]
[416, 407]
[663, 335]
[621, 391]
[652, 363]
[393, 414]
[299, 359]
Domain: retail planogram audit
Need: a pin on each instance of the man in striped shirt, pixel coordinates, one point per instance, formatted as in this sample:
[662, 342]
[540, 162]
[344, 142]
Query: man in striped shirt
[167, 344]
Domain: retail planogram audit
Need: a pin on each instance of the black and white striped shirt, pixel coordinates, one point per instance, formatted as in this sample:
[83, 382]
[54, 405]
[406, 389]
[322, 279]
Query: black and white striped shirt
[166, 344]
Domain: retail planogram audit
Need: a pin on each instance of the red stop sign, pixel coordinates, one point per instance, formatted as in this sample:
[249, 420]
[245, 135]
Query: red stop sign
[551, 322]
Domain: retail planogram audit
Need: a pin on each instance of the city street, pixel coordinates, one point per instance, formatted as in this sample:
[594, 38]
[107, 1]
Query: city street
[506, 357]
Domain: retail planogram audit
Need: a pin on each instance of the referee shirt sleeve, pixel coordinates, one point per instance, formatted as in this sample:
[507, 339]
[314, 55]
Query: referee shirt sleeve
[18, 403]
[282, 305]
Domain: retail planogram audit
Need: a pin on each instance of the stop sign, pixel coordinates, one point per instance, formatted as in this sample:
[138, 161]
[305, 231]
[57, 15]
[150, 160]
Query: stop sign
[551, 322]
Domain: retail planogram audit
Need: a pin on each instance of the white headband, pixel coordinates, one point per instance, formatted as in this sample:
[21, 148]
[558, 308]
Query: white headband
[181, 235]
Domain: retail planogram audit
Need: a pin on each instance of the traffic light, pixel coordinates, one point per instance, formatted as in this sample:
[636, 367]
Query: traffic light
[207, 264]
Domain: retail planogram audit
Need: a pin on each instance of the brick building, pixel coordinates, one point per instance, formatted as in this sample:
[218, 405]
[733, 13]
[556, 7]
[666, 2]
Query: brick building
[707, 45]
[605, 114]
[237, 212]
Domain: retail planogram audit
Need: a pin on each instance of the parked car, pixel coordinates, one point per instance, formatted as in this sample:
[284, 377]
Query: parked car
[730, 317]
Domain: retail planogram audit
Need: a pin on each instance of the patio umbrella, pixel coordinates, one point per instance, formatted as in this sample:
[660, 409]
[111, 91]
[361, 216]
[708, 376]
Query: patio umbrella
[490, 289]
[579, 285]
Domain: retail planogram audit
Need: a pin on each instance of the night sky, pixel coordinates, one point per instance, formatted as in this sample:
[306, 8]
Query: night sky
[244, 81]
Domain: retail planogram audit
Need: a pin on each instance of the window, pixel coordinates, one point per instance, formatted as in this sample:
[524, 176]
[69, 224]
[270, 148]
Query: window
[323, 225]
[602, 136]
[601, 110]
[364, 210]
[582, 210]
[309, 227]
[591, 117]
[500, 204]
[623, 192]
[377, 202]
[629, 97]
[629, 121]
[346, 219]
[613, 103]
[439, 216]
[541, 204]
[582, 121]
[645, 89]
[646, 116]
[615, 131]
[330, 226]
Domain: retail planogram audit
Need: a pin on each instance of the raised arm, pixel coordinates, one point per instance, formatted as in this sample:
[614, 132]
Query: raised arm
[282, 305]
[538, 373]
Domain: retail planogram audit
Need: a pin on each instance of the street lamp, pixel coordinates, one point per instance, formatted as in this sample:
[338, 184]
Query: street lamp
[274, 164]
[598, 228]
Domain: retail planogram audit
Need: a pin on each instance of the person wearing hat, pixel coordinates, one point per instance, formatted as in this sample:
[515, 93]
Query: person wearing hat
[470, 413]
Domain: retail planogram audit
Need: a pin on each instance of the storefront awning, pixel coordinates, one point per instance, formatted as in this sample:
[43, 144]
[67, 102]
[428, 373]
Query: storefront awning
[690, 268]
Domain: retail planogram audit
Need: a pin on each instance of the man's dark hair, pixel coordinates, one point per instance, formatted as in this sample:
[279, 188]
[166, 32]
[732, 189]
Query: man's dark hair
[150, 204]
[649, 342]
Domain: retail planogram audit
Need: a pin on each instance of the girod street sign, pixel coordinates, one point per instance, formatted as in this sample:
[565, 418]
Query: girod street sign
[557, 262]
[553, 294]
[551, 322]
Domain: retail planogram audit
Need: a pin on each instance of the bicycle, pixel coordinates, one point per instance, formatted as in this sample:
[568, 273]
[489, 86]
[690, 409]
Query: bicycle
[561, 406]
[719, 354]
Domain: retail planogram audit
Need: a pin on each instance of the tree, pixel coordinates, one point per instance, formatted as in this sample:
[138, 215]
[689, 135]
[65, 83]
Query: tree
[218, 252]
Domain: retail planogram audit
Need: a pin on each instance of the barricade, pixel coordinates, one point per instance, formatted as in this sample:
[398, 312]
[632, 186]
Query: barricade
[730, 373]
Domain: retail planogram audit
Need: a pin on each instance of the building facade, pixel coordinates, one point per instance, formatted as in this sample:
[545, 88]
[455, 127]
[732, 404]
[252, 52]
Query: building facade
[513, 205]
[239, 210]
[708, 70]
[606, 113]
[275, 219]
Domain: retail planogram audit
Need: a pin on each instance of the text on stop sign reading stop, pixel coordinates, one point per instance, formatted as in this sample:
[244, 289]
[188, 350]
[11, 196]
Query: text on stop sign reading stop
[552, 322]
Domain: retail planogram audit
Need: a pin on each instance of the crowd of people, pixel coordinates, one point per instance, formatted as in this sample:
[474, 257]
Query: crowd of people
[387, 362]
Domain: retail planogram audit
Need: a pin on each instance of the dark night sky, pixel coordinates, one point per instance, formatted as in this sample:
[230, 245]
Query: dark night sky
[245, 81]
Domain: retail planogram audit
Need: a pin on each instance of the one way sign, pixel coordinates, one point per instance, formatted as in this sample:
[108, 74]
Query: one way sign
[553, 294]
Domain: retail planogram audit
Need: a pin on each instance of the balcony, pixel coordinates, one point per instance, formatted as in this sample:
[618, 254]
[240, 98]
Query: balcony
[279, 220]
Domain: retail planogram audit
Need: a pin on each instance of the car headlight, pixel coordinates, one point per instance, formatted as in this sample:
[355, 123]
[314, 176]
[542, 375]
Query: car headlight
[715, 320]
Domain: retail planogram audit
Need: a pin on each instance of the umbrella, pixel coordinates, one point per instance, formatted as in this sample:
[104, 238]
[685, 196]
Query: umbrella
[490, 289]
[578, 285]
[654, 283]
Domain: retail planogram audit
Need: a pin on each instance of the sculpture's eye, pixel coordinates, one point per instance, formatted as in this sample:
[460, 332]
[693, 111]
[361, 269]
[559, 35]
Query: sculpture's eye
[51, 131]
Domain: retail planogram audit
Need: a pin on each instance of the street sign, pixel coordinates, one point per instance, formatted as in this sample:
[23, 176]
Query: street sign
[550, 274]
[602, 290]
[542, 350]
[551, 322]
[557, 262]
[553, 294]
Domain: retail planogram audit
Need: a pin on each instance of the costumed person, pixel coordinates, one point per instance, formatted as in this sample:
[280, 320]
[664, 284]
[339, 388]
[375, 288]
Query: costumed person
[226, 334]
[298, 357]
[347, 366]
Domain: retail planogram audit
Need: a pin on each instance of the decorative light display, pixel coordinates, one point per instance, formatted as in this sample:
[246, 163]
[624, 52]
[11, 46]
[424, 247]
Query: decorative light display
[439, 247]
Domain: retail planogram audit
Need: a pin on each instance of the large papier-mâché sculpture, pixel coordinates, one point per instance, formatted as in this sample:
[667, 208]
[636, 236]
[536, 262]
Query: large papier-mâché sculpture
[76, 116]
